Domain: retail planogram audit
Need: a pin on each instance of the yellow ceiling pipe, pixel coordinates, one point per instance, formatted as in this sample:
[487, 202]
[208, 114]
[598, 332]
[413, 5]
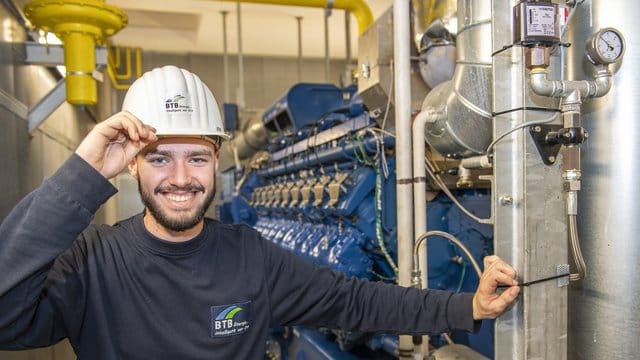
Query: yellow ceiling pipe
[80, 24]
[358, 8]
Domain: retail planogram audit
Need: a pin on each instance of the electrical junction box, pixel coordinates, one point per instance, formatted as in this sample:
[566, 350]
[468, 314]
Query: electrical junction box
[536, 23]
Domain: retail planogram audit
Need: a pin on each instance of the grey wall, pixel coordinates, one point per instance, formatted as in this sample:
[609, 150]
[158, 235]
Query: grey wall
[266, 78]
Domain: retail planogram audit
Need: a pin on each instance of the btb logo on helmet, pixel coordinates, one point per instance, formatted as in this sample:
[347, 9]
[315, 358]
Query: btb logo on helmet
[178, 103]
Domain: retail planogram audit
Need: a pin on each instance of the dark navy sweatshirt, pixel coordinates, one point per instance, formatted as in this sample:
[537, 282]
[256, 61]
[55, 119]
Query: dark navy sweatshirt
[118, 292]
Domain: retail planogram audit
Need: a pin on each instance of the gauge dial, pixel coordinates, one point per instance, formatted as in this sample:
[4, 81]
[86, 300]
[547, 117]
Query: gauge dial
[605, 47]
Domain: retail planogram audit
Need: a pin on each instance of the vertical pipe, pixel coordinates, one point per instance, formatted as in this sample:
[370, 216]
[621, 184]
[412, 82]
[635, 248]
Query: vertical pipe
[240, 59]
[327, 64]
[420, 202]
[404, 186]
[420, 191]
[225, 56]
[347, 33]
[299, 20]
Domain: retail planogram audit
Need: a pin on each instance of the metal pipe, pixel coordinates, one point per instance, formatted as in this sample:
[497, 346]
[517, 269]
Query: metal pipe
[327, 61]
[421, 241]
[561, 88]
[347, 39]
[240, 59]
[358, 8]
[426, 11]
[299, 20]
[225, 56]
[420, 203]
[466, 99]
[404, 186]
[420, 190]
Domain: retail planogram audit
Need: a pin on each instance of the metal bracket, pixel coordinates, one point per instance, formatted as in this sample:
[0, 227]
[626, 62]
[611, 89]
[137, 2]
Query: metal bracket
[47, 105]
[53, 55]
[549, 153]
[295, 192]
[285, 193]
[334, 188]
[318, 190]
[44, 55]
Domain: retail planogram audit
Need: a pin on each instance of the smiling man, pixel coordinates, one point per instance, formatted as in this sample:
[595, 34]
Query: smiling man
[176, 184]
[170, 283]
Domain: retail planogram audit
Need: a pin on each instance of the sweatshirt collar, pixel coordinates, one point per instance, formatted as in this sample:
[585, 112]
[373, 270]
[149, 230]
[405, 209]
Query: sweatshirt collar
[164, 247]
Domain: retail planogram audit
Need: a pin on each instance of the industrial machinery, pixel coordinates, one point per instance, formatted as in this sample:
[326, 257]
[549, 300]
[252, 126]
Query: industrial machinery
[325, 190]
[343, 178]
[476, 127]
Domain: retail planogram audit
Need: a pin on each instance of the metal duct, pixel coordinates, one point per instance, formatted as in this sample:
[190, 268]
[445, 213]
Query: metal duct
[251, 139]
[462, 127]
[426, 11]
[604, 308]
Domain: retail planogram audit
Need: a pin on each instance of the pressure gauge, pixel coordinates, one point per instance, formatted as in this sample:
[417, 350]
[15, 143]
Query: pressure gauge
[605, 47]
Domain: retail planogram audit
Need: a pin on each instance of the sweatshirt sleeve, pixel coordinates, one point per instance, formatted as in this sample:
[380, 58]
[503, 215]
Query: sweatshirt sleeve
[302, 293]
[43, 225]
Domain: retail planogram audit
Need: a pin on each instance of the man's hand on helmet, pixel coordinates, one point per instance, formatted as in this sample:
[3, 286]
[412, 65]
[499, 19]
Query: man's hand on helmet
[114, 142]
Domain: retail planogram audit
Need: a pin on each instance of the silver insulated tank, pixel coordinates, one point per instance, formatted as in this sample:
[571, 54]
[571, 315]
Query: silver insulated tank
[604, 309]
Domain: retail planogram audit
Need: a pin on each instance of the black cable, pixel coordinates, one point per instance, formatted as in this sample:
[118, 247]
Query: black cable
[524, 108]
[535, 281]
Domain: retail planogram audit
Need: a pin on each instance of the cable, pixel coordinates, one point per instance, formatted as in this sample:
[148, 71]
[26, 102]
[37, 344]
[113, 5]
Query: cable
[376, 163]
[523, 125]
[449, 237]
[382, 131]
[382, 277]
[386, 112]
[379, 232]
[464, 272]
[438, 180]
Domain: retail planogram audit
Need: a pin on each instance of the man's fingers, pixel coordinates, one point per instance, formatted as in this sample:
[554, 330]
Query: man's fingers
[496, 278]
[489, 260]
[509, 295]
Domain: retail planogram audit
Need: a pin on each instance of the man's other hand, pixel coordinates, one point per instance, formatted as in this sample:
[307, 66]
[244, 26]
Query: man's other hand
[487, 303]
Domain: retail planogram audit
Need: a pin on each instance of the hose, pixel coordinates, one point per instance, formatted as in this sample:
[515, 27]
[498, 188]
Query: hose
[453, 239]
[577, 253]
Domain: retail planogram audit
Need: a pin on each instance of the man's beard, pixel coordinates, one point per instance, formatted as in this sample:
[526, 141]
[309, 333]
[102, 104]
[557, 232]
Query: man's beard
[178, 223]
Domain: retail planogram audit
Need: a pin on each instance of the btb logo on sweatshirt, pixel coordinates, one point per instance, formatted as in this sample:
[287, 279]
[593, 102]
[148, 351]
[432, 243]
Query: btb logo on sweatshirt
[229, 320]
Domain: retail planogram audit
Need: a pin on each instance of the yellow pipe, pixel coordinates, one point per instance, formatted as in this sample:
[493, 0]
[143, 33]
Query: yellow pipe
[138, 62]
[113, 64]
[114, 82]
[127, 65]
[110, 57]
[358, 8]
[80, 24]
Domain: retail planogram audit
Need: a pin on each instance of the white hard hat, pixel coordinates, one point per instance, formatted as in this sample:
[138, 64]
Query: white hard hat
[175, 102]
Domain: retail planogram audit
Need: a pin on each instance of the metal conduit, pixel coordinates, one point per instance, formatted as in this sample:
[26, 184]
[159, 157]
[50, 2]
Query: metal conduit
[359, 8]
[334, 154]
